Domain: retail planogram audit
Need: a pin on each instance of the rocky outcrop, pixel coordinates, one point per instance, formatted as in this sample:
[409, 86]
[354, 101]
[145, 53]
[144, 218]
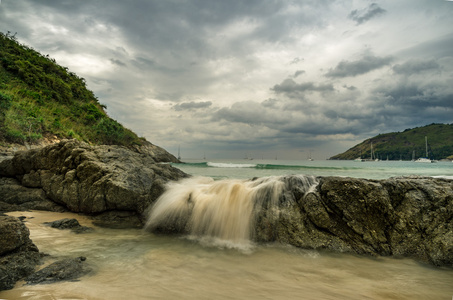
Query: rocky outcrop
[65, 269]
[402, 217]
[71, 175]
[18, 255]
[67, 223]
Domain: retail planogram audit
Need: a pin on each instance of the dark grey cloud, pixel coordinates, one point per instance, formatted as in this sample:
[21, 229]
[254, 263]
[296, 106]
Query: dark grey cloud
[271, 102]
[298, 72]
[192, 105]
[416, 66]
[364, 65]
[248, 112]
[364, 15]
[117, 62]
[415, 97]
[434, 48]
[292, 89]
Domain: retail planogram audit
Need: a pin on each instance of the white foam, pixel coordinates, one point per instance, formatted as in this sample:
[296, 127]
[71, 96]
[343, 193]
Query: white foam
[230, 165]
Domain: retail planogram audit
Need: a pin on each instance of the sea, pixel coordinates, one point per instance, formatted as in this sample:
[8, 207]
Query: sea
[244, 169]
[138, 264]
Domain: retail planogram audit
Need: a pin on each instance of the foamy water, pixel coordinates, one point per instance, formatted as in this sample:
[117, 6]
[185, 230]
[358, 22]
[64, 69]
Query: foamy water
[222, 212]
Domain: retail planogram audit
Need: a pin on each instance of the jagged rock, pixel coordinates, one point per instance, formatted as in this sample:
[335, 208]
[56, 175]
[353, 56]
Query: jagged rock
[18, 255]
[86, 179]
[67, 223]
[65, 269]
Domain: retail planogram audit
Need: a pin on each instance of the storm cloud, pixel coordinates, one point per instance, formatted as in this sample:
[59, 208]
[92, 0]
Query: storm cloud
[364, 15]
[416, 66]
[292, 89]
[364, 65]
[227, 77]
[192, 105]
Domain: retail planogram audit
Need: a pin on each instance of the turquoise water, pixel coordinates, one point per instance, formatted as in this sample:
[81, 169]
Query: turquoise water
[243, 169]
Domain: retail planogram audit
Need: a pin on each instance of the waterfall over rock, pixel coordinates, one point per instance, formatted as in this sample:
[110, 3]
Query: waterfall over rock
[409, 216]
[227, 210]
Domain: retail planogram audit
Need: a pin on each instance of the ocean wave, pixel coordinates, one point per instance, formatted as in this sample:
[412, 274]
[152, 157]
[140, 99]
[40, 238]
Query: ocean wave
[261, 166]
[230, 165]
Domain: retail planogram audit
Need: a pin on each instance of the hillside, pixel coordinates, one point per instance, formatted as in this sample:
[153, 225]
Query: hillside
[401, 145]
[39, 98]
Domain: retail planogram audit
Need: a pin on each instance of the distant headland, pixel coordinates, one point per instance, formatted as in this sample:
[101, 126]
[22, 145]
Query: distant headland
[407, 145]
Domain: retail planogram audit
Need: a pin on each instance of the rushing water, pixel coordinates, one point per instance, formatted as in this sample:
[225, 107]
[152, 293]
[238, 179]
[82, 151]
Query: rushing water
[135, 264]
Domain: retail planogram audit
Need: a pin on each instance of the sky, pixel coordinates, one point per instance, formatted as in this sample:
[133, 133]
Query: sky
[255, 78]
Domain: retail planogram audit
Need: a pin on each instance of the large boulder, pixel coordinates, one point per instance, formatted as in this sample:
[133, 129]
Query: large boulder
[18, 255]
[410, 217]
[86, 179]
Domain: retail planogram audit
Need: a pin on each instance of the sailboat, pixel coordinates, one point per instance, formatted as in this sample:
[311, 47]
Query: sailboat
[179, 153]
[425, 159]
[373, 155]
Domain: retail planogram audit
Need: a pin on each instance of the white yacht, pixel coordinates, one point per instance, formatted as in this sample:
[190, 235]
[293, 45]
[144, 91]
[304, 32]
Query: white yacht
[425, 159]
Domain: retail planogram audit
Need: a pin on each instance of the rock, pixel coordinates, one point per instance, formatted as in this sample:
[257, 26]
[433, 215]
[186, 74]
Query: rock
[67, 223]
[402, 217]
[65, 269]
[18, 255]
[86, 179]
[16, 197]
[118, 219]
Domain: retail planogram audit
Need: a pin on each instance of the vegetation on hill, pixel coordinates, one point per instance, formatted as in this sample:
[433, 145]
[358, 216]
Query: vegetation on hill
[40, 98]
[406, 145]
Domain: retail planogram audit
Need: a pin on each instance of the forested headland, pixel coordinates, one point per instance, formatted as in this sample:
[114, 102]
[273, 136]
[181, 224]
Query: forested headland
[406, 145]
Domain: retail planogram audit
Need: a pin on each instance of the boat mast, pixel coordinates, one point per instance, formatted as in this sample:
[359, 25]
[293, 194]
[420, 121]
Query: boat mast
[426, 145]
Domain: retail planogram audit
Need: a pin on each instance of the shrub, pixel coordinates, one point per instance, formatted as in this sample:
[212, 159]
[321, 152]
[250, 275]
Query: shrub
[5, 101]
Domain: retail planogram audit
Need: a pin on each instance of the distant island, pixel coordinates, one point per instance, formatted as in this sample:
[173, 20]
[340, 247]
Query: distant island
[407, 145]
[41, 101]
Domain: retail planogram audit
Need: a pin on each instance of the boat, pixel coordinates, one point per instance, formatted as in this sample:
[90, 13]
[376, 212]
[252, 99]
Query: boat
[373, 155]
[425, 159]
[309, 157]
